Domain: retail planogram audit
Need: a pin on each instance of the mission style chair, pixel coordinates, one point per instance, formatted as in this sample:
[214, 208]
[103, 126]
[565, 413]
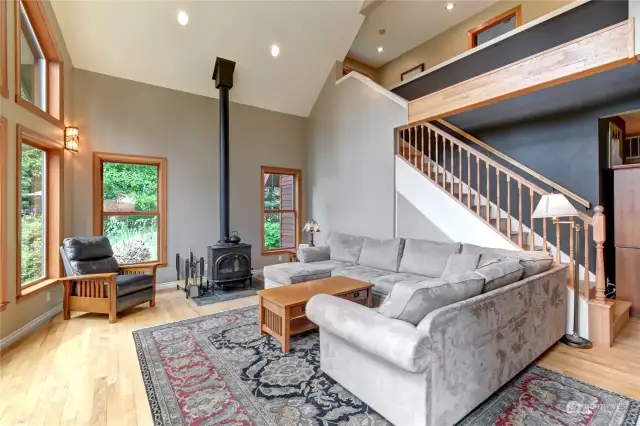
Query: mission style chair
[96, 283]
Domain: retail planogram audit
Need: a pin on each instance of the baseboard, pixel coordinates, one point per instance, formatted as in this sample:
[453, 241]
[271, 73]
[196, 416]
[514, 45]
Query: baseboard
[30, 327]
[171, 285]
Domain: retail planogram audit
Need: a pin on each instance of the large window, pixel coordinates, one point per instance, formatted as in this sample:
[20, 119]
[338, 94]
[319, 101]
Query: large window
[495, 27]
[39, 68]
[40, 166]
[281, 201]
[129, 206]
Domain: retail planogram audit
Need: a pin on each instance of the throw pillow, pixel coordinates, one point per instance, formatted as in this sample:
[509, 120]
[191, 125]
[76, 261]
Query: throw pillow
[411, 302]
[499, 273]
[459, 263]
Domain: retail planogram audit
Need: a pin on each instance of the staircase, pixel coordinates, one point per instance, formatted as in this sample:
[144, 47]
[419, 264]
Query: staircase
[504, 200]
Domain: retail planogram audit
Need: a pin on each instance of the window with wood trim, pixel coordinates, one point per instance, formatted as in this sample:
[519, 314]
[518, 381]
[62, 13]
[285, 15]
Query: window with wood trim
[39, 220]
[39, 67]
[281, 197]
[501, 24]
[130, 206]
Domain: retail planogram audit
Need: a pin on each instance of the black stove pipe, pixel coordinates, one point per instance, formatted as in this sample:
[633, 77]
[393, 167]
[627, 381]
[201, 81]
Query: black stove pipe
[223, 75]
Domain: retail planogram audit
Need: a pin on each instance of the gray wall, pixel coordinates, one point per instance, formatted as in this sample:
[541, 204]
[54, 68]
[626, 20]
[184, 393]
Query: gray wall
[413, 224]
[123, 116]
[350, 159]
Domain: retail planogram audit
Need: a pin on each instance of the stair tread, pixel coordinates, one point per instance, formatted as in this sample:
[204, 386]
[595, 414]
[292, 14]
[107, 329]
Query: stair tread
[620, 308]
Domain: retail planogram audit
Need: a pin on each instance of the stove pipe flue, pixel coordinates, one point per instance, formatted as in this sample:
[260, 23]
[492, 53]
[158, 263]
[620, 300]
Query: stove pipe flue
[223, 75]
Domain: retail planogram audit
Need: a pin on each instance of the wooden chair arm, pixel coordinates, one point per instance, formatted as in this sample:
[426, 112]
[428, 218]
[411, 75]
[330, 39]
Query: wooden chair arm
[151, 269]
[90, 277]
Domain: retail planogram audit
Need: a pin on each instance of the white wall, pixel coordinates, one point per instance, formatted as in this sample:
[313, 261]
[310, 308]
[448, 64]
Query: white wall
[411, 223]
[350, 152]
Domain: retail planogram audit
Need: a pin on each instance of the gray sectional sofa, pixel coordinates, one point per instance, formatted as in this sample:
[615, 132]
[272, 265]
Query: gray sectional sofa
[457, 322]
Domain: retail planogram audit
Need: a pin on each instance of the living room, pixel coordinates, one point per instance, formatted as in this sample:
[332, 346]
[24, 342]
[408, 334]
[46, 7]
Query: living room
[176, 222]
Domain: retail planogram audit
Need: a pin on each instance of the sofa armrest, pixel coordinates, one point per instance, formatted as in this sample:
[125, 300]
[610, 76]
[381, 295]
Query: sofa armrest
[136, 268]
[313, 254]
[395, 341]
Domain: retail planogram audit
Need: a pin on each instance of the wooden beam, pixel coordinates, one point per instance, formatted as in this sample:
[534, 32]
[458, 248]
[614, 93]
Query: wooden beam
[603, 50]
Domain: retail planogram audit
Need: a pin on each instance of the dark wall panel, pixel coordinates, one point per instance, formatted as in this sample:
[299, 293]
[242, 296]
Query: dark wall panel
[581, 21]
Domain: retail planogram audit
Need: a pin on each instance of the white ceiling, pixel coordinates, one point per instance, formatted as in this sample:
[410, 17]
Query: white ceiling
[141, 40]
[408, 24]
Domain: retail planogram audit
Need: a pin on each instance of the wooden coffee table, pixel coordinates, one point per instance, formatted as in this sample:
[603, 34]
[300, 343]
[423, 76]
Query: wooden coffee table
[281, 310]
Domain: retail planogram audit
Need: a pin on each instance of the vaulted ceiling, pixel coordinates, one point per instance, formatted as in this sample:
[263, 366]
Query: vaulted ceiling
[143, 41]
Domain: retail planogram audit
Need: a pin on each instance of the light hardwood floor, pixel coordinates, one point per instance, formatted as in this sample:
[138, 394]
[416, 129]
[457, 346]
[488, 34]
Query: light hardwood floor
[85, 371]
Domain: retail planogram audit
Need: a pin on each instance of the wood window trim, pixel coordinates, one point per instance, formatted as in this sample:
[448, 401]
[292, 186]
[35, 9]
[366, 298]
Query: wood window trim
[516, 11]
[54, 209]
[55, 65]
[297, 173]
[3, 213]
[4, 79]
[161, 163]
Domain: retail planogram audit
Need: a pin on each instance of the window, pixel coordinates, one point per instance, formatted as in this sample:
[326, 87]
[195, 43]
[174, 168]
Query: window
[281, 201]
[38, 64]
[497, 26]
[130, 207]
[40, 174]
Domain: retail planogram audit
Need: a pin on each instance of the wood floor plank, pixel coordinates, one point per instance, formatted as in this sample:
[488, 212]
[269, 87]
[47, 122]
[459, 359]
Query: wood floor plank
[85, 371]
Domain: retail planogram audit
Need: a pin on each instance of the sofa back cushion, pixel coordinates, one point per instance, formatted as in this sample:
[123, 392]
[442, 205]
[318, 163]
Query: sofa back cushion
[88, 255]
[428, 258]
[344, 247]
[381, 254]
[534, 262]
[459, 263]
[499, 273]
[411, 302]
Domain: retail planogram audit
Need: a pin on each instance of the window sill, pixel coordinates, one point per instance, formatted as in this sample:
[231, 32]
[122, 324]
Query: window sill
[36, 288]
[40, 113]
[274, 252]
[3, 306]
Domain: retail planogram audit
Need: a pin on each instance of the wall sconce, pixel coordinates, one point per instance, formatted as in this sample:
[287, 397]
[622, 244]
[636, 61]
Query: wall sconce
[71, 139]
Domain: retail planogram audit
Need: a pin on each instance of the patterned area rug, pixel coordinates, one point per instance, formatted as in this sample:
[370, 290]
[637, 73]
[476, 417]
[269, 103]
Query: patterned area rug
[219, 295]
[218, 370]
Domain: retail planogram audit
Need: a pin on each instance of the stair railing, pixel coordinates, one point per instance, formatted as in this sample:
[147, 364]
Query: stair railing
[432, 152]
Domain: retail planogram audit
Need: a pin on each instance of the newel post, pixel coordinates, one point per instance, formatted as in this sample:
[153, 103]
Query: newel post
[599, 237]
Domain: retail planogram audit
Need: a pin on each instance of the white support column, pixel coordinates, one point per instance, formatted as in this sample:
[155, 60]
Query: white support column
[634, 13]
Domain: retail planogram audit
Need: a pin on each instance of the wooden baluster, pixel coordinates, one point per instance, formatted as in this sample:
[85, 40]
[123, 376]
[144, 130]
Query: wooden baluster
[586, 256]
[415, 148]
[478, 186]
[509, 206]
[459, 173]
[468, 179]
[452, 172]
[520, 218]
[599, 236]
[498, 227]
[423, 129]
[544, 235]
[571, 253]
[429, 151]
[437, 166]
[558, 255]
[532, 238]
[488, 212]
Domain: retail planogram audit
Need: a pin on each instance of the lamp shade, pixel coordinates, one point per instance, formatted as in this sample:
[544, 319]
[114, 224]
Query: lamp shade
[554, 205]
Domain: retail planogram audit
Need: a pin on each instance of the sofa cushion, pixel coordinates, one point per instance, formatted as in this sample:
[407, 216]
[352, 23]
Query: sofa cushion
[313, 254]
[359, 272]
[381, 254]
[384, 283]
[411, 302]
[345, 248]
[499, 273]
[297, 272]
[459, 263]
[130, 283]
[426, 258]
[534, 262]
[87, 248]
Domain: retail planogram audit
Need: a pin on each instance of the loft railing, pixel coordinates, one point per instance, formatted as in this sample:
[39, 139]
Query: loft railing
[442, 158]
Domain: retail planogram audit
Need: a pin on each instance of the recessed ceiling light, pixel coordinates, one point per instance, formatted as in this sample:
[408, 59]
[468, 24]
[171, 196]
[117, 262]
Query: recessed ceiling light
[183, 18]
[275, 50]
[380, 49]
[449, 6]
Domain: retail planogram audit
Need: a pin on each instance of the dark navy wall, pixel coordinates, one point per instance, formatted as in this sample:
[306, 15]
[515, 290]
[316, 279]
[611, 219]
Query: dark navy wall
[581, 21]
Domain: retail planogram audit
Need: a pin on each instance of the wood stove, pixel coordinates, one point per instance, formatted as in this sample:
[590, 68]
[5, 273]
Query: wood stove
[229, 264]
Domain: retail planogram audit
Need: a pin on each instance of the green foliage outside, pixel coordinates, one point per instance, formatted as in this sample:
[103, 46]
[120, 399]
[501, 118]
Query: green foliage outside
[271, 221]
[32, 226]
[134, 238]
